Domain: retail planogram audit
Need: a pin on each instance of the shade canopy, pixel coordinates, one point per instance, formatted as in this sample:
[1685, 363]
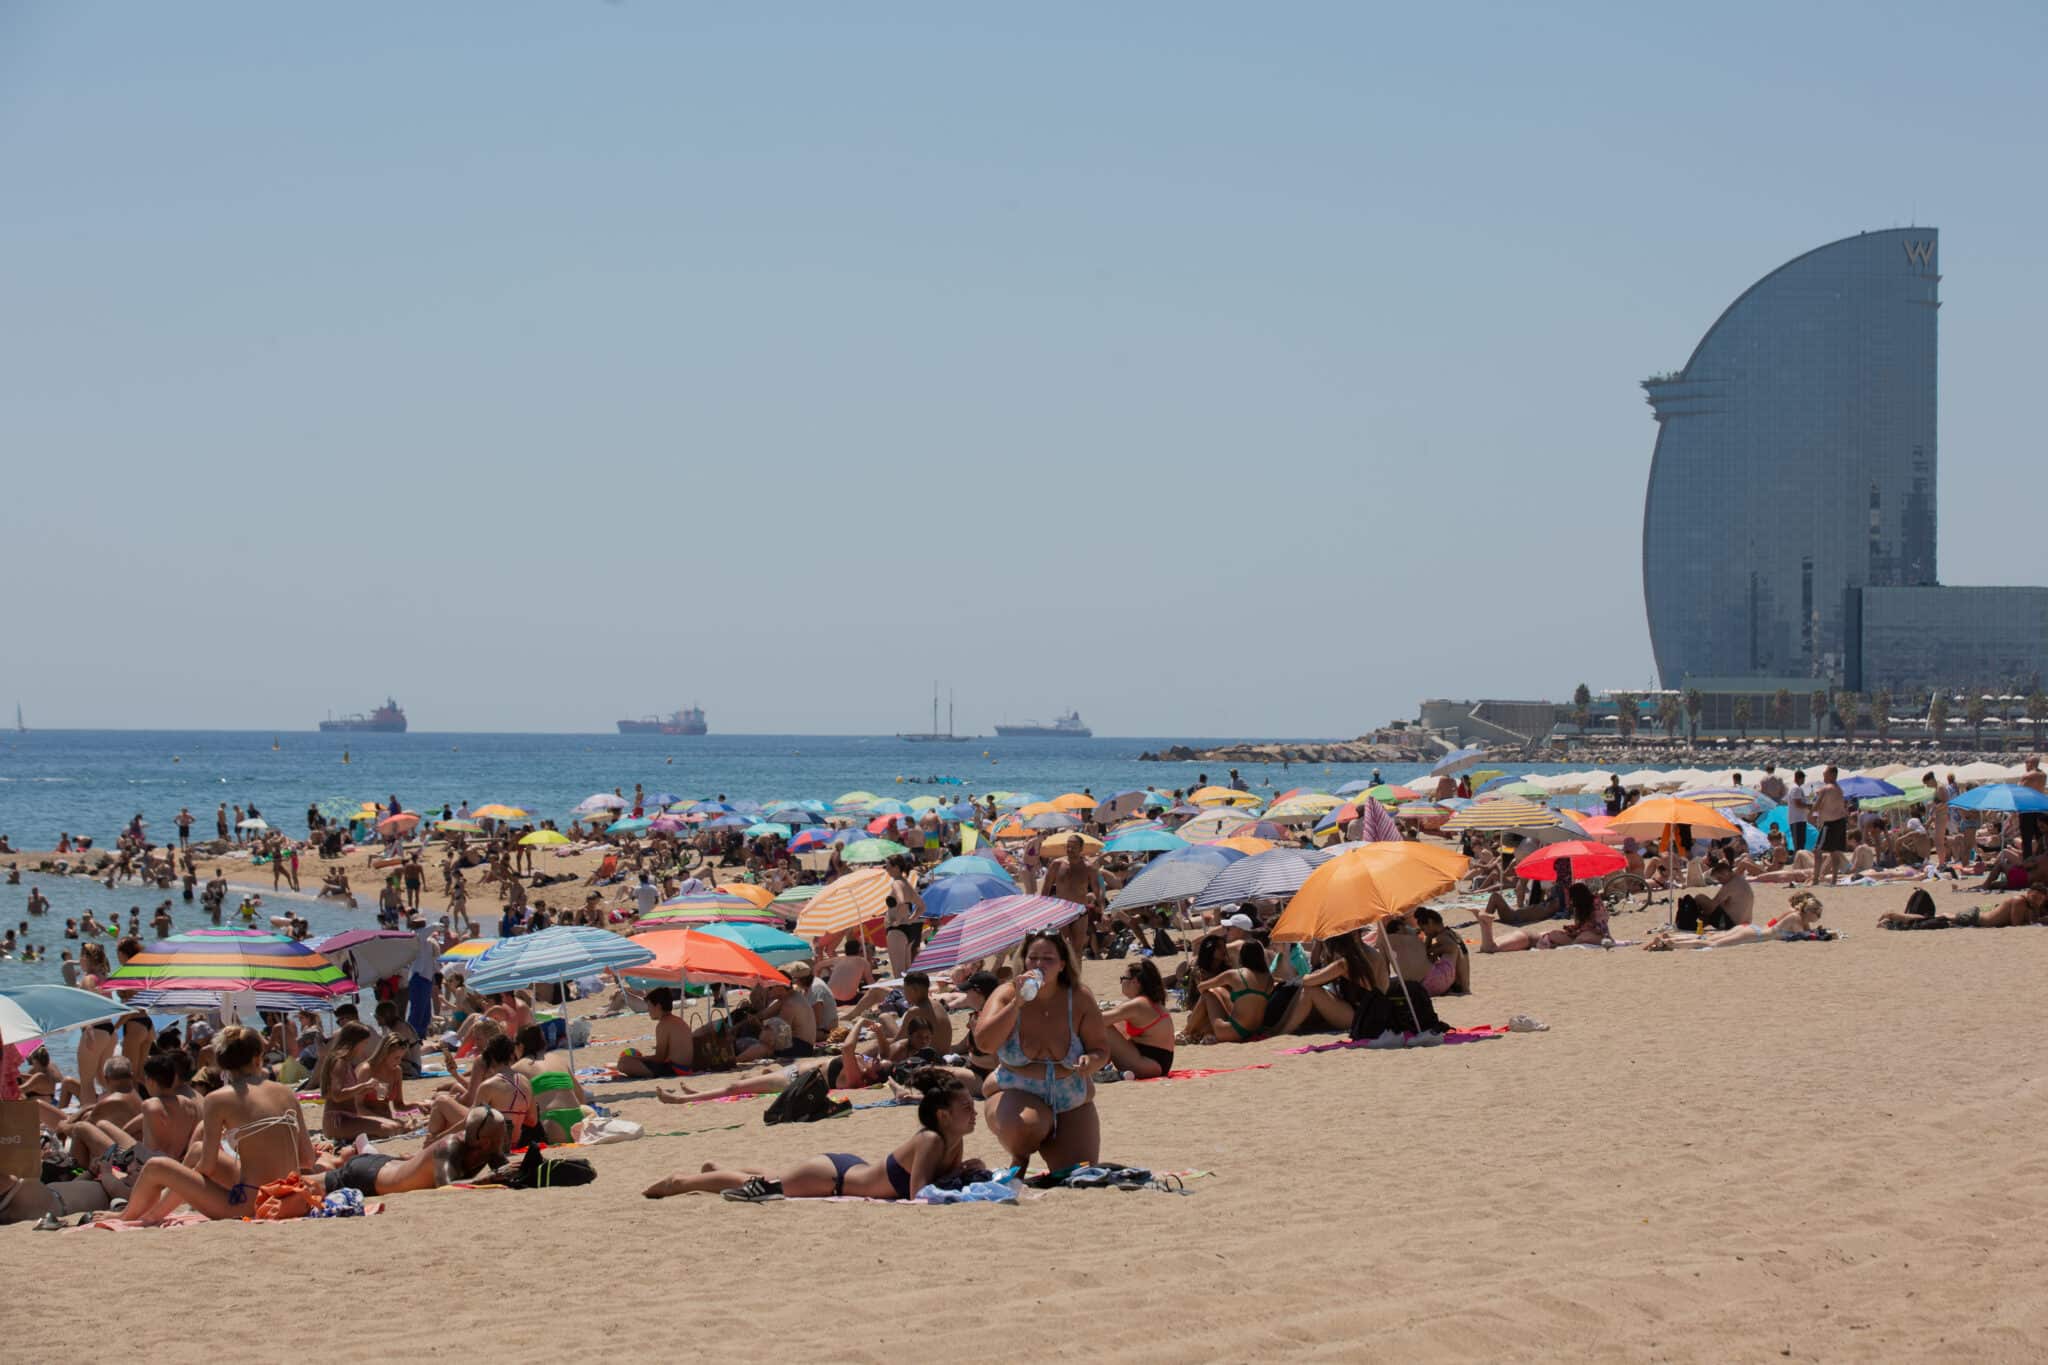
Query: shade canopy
[992, 927]
[562, 953]
[1366, 884]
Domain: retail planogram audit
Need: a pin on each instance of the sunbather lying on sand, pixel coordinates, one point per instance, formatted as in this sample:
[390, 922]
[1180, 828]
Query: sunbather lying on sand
[2029, 907]
[945, 1117]
[1801, 921]
[1588, 926]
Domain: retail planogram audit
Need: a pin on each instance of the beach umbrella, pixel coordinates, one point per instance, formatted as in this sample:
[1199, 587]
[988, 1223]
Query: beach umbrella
[1652, 817]
[950, 895]
[1145, 841]
[2001, 796]
[992, 927]
[1781, 821]
[1365, 885]
[552, 956]
[667, 824]
[855, 798]
[1248, 844]
[1055, 843]
[629, 826]
[1037, 808]
[706, 808]
[1457, 761]
[882, 824]
[1422, 812]
[1273, 875]
[1129, 800]
[959, 811]
[889, 806]
[792, 900]
[1389, 794]
[368, 954]
[685, 911]
[1174, 877]
[1218, 823]
[766, 829]
[1587, 860]
[1857, 788]
[1908, 796]
[405, 822]
[1506, 786]
[872, 851]
[459, 827]
[731, 820]
[1753, 839]
[258, 822]
[1507, 812]
[1222, 796]
[1052, 820]
[924, 803]
[793, 816]
[774, 946]
[544, 837]
[464, 953]
[31, 1012]
[760, 897]
[600, 801]
[231, 960]
[1073, 801]
[969, 863]
[1015, 800]
[809, 839]
[498, 812]
[844, 905]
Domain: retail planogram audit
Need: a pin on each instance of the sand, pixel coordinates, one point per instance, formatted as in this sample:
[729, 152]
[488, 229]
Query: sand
[1784, 1151]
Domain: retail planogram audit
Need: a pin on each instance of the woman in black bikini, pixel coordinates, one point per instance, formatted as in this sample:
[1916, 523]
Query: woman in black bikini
[1237, 999]
[251, 1132]
[945, 1117]
[1140, 1029]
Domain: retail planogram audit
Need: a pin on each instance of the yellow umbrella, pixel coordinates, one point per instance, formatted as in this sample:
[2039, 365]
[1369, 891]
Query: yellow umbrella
[1509, 812]
[1073, 801]
[1223, 796]
[1243, 843]
[1056, 841]
[1317, 801]
[1371, 883]
[758, 896]
[1038, 808]
[845, 905]
[545, 836]
[855, 798]
[498, 813]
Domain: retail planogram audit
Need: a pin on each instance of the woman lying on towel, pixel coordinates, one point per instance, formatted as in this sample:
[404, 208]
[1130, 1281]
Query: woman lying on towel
[2029, 907]
[481, 1142]
[1588, 927]
[945, 1116]
[1800, 922]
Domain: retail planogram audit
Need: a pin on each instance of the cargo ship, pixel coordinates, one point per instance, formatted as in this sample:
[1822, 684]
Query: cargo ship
[1069, 726]
[688, 721]
[387, 719]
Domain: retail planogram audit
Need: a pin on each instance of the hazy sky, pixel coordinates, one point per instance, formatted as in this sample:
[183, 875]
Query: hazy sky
[1215, 369]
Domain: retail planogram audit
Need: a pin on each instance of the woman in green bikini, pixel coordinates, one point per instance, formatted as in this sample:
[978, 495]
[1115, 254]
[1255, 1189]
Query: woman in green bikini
[563, 1102]
[1237, 999]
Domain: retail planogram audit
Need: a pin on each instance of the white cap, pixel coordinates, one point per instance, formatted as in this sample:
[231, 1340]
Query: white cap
[1243, 922]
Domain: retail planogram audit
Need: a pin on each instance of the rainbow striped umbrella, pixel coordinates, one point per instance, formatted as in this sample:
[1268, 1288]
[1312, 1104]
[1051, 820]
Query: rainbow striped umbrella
[706, 908]
[231, 960]
[465, 952]
[991, 927]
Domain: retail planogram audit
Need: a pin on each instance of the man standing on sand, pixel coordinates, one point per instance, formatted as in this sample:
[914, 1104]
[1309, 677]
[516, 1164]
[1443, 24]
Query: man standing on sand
[1831, 813]
[184, 826]
[1074, 878]
[2030, 821]
[220, 822]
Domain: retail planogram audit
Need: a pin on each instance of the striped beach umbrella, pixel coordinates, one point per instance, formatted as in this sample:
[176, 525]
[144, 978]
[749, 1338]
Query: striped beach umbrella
[1222, 796]
[562, 953]
[231, 960]
[992, 927]
[1220, 823]
[31, 1012]
[463, 953]
[1266, 876]
[705, 908]
[844, 905]
[1507, 812]
[1175, 877]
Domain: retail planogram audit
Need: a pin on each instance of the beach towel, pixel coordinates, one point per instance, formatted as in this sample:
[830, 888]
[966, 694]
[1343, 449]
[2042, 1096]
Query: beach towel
[1457, 1035]
[1202, 1072]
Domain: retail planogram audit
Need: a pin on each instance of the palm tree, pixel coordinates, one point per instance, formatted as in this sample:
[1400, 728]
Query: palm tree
[1668, 714]
[1818, 701]
[1881, 713]
[1781, 711]
[1742, 716]
[1694, 704]
[1937, 713]
[1624, 713]
[1582, 706]
[2037, 711]
[1975, 710]
[1849, 707]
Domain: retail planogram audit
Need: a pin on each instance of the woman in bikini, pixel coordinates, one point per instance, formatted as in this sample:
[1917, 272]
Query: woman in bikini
[251, 1133]
[482, 1141]
[1042, 1098]
[1450, 964]
[1589, 926]
[562, 1098]
[945, 1116]
[1140, 1029]
[501, 1087]
[1801, 921]
[343, 1089]
[1237, 999]
[1332, 994]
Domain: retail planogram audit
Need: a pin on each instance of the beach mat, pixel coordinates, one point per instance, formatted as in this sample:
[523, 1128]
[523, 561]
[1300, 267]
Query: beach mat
[1201, 1073]
[1459, 1035]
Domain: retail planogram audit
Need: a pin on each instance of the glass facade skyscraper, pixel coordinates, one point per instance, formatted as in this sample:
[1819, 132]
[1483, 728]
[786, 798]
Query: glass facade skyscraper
[1795, 461]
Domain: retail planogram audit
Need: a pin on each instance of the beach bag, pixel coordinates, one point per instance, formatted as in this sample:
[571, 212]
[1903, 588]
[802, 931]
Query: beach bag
[602, 1129]
[807, 1099]
[285, 1198]
[714, 1051]
[21, 1139]
[1163, 944]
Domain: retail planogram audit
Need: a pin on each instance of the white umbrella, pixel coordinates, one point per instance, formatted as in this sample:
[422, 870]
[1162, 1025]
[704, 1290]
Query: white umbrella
[254, 823]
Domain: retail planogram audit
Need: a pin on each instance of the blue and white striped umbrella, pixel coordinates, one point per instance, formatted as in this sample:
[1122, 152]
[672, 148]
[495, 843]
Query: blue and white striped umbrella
[35, 1011]
[180, 999]
[1175, 876]
[1457, 761]
[562, 953]
[1273, 875]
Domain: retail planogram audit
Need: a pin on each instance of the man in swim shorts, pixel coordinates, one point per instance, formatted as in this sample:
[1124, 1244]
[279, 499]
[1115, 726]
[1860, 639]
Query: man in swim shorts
[672, 1042]
[1831, 813]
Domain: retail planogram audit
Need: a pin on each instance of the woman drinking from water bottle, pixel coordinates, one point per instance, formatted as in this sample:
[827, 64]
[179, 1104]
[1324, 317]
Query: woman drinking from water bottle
[1049, 1036]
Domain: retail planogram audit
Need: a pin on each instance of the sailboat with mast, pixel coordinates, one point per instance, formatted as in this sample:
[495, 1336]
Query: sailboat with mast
[933, 735]
[19, 728]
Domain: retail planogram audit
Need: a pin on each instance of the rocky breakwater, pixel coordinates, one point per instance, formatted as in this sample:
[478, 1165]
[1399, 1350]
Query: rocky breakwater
[1344, 751]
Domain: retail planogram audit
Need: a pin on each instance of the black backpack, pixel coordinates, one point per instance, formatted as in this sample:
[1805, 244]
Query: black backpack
[807, 1099]
[538, 1173]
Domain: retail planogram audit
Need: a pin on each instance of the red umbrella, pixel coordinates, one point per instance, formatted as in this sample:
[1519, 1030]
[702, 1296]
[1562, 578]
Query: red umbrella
[882, 824]
[402, 823]
[1588, 859]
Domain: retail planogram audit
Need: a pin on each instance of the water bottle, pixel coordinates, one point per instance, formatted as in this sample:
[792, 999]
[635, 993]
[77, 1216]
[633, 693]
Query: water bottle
[1027, 986]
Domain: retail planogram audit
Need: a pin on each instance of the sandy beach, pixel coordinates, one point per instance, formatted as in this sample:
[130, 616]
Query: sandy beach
[1805, 1151]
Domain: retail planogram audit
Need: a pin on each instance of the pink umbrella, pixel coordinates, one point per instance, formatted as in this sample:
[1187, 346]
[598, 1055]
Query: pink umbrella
[992, 926]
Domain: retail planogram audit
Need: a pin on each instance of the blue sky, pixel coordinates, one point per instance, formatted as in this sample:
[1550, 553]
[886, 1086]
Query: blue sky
[1213, 369]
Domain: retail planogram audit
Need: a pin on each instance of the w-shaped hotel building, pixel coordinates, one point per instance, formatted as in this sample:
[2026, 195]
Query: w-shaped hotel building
[1789, 530]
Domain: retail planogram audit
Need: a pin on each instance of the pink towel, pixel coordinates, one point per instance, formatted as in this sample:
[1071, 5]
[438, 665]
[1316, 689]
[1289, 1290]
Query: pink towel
[1199, 1072]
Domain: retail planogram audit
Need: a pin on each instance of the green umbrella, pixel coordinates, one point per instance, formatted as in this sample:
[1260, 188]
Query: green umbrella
[873, 851]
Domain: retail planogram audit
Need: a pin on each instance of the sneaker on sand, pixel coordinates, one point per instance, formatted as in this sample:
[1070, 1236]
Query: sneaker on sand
[758, 1190]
